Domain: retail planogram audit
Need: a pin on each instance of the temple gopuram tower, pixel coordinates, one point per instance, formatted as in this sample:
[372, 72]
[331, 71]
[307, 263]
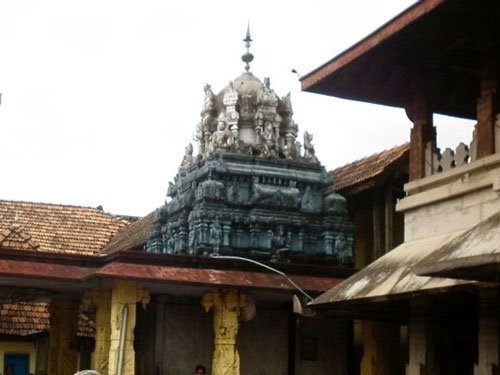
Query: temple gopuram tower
[253, 190]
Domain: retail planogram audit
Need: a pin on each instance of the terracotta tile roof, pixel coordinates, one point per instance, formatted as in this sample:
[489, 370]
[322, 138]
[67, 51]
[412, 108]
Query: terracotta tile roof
[135, 235]
[23, 318]
[366, 169]
[28, 318]
[57, 228]
[86, 324]
[15, 238]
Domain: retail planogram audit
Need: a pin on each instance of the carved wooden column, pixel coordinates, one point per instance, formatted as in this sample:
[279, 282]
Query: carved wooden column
[160, 344]
[389, 218]
[226, 305]
[63, 356]
[421, 341]
[380, 348]
[422, 136]
[101, 300]
[488, 339]
[124, 296]
[377, 220]
[487, 107]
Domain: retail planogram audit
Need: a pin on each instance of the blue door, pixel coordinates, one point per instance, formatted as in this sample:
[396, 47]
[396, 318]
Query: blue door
[19, 363]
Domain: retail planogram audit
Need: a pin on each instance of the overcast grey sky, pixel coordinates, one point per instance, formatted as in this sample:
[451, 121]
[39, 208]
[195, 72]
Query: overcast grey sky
[100, 97]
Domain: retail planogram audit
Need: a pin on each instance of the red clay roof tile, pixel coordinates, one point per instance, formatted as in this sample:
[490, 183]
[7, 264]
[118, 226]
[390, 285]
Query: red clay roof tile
[60, 228]
[366, 168]
[28, 318]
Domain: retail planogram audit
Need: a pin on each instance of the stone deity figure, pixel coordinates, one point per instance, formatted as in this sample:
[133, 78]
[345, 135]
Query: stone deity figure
[279, 237]
[187, 160]
[309, 152]
[268, 136]
[268, 97]
[286, 102]
[259, 130]
[267, 84]
[230, 100]
[221, 138]
[269, 133]
[192, 239]
[170, 241]
[341, 249]
[207, 146]
[208, 105]
[231, 95]
[276, 125]
[215, 236]
[198, 136]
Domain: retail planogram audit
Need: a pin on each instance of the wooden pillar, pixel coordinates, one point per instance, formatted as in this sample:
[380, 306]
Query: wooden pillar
[421, 341]
[488, 340]
[124, 297]
[377, 219]
[101, 300]
[389, 218]
[363, 233]
[422, 136]
[160, 348]
[487, 108]
[227, 305]
[380, 348]
[63, 356]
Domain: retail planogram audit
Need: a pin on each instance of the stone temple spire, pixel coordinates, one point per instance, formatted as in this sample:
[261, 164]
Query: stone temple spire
[253, 190]
[247, 57]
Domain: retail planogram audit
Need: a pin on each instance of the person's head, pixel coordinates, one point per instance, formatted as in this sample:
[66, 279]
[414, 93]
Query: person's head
[200, 370]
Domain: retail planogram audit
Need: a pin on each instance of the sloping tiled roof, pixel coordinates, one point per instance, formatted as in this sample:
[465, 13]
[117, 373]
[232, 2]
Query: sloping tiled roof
[366, 169]
[135, 235]
[60, 228]
[16, 239]
[23, 318]
[28, 318]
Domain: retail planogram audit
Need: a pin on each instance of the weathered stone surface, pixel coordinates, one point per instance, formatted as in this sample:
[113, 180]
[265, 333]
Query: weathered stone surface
[250, 191]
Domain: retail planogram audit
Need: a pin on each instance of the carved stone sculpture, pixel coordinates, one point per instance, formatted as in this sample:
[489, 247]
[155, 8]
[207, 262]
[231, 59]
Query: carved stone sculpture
[227, 306]
[215, 236]
[309, 152]
[230, 100]
[187, 160]
[251, 191]
[209, 102]
[220, 140]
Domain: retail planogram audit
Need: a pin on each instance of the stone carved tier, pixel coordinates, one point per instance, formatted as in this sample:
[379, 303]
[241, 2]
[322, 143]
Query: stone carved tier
[247, 117]
[260, 208]
[251, 191]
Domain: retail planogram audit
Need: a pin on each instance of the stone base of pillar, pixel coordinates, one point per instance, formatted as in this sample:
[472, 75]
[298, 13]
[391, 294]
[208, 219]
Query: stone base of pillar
[488, 336]
[415, 370]
[486, 370]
